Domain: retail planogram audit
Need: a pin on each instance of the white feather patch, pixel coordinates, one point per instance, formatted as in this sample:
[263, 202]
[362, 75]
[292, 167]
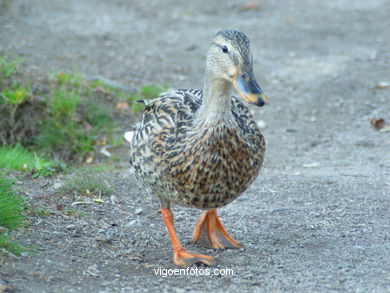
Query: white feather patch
[129, 135]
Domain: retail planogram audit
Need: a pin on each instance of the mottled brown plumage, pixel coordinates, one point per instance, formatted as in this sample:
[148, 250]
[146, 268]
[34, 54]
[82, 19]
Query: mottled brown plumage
[202, 164]
[203, 149]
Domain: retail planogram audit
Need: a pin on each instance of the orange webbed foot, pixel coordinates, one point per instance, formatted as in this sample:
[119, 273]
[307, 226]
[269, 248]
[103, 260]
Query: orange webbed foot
[181, 257]
[184, 259]
[210, 232]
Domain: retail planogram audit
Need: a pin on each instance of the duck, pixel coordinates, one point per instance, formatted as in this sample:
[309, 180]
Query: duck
[202, 148]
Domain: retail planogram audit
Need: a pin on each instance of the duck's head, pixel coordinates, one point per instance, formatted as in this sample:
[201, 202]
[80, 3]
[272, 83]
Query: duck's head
[229, 58]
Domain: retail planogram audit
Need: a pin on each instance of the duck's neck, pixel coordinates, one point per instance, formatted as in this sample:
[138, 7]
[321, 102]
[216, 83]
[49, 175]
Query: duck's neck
[217, 96]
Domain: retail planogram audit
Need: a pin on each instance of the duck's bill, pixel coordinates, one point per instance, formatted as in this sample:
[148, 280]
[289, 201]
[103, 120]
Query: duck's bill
[249, 90]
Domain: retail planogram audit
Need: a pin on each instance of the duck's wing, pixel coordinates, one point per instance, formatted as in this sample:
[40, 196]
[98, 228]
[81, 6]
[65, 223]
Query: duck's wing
[164, 121]
[169, 112]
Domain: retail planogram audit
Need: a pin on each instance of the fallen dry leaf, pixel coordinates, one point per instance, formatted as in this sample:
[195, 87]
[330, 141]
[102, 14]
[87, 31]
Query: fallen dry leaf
[89, 159]
[378, 123]
[98, 200]
[122, 105]
[383, 85]
[59, 207]
[250, 6]
[102, 90]
[385, 129]
[88, 127]
[89, 194]
[100, 141]
[5, 288]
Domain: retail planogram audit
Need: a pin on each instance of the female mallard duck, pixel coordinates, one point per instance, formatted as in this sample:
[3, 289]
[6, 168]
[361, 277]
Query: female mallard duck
[203, 149]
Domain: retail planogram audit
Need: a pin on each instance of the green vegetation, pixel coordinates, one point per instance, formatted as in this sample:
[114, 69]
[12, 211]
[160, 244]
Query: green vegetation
[93, 169]
[145, 93]
[64, 115]
[73, 119]
[74, 212]
[18, 158]
[86, 183]
[5, 3]
[37, 211]
[11, 215]
[8, 66]
[54, 120]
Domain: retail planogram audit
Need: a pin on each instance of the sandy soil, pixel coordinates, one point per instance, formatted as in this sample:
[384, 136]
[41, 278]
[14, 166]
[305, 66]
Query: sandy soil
[317, 218]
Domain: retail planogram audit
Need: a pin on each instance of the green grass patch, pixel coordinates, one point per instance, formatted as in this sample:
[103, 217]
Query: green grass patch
[91, 169]
[63, 115]
[8, 65]
[38, 211]
[74, 212]
[73, 119]
[20, 159]
[147, 92]
[10, 246]
[86, 183]
[11, 215]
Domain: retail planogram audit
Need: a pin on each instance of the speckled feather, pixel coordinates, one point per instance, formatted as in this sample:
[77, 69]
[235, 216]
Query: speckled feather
[202, 164]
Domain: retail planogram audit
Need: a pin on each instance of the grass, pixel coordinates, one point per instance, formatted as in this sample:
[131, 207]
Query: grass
[73, 119]
[20, 159]
[64, 120]
[5, 3]
[65, 115]
[11, 215]
[147, 92]
[86, 183]
[38, 211]
[93, 169]
[75, 213]
[44, 212]
[10, 246]
[8, 65]
[62, 116]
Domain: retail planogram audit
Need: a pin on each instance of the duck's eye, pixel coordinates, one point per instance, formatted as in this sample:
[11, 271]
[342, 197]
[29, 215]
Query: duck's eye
[225, 49]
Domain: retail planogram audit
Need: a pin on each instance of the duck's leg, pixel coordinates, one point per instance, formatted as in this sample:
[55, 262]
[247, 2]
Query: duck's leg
[210, 232]
[181, 257]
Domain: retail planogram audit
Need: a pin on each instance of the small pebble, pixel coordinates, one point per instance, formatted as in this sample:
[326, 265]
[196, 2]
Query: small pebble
[70, 227]
[114, 199]
[138, 211]
[261, 124]
[311, 165]
[58, 184]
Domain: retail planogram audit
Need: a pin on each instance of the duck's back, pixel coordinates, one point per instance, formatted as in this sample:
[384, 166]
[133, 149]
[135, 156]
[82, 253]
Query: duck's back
[202, 165]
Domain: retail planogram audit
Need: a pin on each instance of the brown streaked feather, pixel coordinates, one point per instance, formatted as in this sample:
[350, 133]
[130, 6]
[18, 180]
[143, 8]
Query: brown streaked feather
[201, 165]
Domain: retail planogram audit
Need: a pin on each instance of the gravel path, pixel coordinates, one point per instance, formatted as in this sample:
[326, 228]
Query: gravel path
[317, 218]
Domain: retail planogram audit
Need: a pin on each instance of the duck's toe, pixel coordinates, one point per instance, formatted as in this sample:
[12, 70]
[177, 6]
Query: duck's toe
[210, 232]
[184, 259]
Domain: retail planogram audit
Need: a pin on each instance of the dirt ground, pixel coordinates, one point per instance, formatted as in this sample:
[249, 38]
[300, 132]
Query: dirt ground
[317, 219]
